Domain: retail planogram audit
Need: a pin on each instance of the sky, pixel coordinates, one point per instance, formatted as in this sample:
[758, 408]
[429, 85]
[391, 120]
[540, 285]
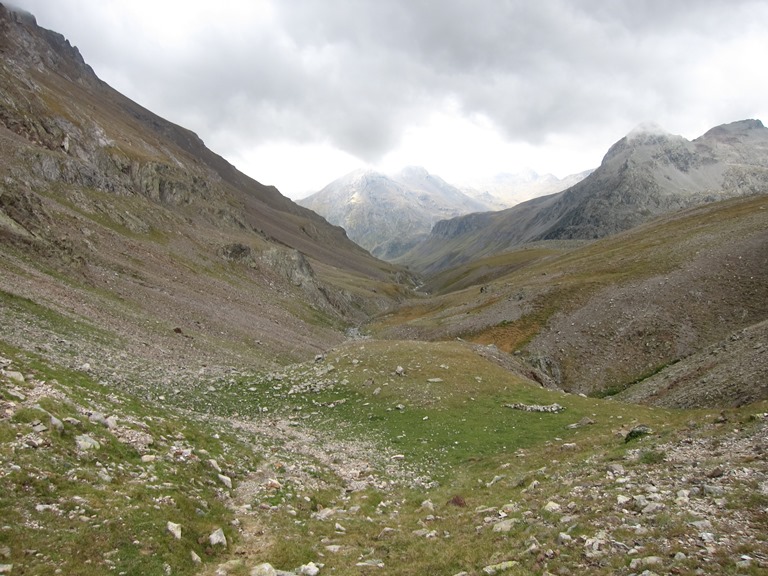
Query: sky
[297, 93]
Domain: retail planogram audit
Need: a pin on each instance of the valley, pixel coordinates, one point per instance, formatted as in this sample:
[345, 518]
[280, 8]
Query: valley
[199, 376]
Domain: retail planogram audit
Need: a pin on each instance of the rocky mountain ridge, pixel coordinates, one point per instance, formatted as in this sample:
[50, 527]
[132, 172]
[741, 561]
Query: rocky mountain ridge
[644, 175]
[388, 214]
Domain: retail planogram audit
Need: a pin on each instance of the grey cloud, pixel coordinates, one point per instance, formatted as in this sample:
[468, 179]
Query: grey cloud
[357, 73]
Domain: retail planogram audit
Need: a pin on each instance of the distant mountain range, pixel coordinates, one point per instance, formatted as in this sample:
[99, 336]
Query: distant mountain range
[506, 189]
[647, 173]
[388, 215]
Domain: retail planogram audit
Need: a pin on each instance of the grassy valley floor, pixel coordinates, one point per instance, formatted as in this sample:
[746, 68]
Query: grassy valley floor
[379, 456]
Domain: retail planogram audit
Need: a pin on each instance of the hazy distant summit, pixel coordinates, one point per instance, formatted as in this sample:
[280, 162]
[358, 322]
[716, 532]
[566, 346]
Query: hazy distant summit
[389, 214]
[505, 190]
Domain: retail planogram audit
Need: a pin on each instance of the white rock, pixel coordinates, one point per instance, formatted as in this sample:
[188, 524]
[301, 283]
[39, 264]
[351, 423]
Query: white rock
[552, 507]
[215, 465]
[621, 499]
[15, 376]
[174, 529]
[310, 569]
[428, 505]
[147, 458]
[218, 537]
[504, 525]
[226, 480]
[265, 569]
[195, 557]
[85, 442]
[653, 508]
[564, 538]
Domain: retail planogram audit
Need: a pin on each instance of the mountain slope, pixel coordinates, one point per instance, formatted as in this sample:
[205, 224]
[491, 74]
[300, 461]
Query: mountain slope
[130, 224]
[387, 215]
[675, 294]
[645, 174]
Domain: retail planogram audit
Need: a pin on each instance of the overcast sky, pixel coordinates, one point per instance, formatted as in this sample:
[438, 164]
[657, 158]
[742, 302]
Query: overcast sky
[299, 92]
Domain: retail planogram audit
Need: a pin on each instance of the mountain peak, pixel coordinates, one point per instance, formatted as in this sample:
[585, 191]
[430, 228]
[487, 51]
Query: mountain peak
[20, 14]
[414, 172]
[645, 129]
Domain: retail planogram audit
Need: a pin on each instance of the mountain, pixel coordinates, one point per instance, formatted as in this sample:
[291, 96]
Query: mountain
[506, 190]
[646, 174]
[198, 376]
[127, 221]
[388, 215]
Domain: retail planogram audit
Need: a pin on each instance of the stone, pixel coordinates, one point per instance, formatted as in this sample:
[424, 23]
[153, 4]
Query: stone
[217, 537]
[716, 473]
[85, 443]
[226, 480]
[57, 424]
[6, 568]
[653, 508]
[400, 371]
[621, 499]
[713, 490]
[273, 484]
[373, 563]
[616, 469]
[17, 377]
[39, 428]
[73, 422]
[148, 458]
[702, 525]
[551, 408]
[428, 505]
[174, 529]
[637, 432]
[264, 569]
[20, 396]
[564, 539]
[552, 507]
[501, 567]
[215, 465]
[195, 557]
[504, 525]
[310, 569]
